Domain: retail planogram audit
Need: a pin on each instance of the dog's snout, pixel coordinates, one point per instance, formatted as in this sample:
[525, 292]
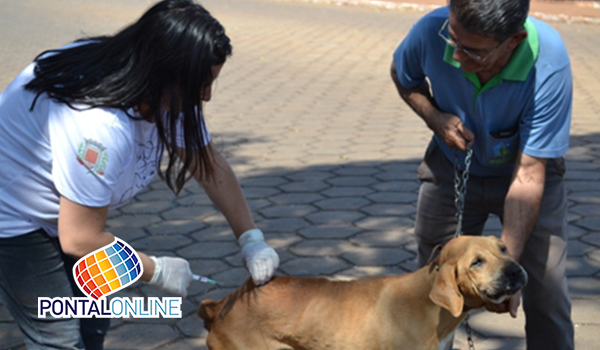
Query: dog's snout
[516, 275]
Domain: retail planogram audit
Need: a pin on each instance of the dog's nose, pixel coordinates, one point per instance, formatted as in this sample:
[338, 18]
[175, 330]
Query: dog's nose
[516, 274]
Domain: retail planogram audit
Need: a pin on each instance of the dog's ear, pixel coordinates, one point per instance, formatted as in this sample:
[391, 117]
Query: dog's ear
[445, 291]
[208, 310]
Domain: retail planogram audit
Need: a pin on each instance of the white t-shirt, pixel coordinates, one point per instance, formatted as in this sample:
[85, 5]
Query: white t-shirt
[94, 157]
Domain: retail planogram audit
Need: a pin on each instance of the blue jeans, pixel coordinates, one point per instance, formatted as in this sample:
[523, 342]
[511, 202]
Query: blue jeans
[32, 266]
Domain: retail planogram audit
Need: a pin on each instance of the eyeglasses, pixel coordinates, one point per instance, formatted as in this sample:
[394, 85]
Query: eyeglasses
[467, 52]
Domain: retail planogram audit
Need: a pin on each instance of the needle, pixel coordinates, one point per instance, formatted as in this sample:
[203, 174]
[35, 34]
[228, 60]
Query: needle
[204, 279]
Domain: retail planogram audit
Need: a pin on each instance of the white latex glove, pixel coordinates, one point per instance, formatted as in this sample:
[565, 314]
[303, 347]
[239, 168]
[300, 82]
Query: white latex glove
[172, 275]
[261, 260]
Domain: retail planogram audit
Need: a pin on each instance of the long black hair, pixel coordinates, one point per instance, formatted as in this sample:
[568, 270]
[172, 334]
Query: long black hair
[169, 51]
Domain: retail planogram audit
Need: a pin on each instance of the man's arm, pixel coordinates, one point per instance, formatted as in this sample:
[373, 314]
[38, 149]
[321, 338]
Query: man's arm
[448, 127]
[522, 204]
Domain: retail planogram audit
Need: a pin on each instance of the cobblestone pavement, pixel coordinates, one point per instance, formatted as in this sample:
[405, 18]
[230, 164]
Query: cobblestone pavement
[326, 152]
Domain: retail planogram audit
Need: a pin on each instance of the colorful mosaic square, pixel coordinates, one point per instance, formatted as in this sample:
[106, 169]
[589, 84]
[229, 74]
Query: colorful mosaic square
[108, 269]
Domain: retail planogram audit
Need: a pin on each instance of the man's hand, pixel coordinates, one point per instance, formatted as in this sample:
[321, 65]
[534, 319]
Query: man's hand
[511, 305]
[451, 130]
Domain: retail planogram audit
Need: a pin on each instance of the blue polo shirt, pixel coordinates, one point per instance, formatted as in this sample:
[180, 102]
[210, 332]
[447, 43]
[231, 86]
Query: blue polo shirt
[526, 107]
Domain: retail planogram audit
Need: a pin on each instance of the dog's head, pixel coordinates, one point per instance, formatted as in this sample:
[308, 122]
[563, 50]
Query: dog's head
[473, 270]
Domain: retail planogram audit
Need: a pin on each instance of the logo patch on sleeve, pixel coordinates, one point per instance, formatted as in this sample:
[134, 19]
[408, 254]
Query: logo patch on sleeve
[93, 155]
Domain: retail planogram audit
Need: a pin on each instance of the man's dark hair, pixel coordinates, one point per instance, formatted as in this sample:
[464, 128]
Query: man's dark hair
[498, 19]
[170, 50]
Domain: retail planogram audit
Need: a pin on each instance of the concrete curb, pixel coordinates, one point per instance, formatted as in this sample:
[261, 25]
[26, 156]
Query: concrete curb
[426, 8]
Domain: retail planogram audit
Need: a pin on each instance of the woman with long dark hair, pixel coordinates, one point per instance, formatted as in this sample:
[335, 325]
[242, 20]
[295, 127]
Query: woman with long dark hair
[82, 130]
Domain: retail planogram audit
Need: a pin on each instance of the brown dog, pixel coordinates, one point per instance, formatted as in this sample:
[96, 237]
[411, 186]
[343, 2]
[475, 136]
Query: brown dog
[418, 310]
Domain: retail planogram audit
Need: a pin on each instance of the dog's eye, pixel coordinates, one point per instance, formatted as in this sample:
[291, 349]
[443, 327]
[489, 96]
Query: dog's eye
[503, 249]
[477, 262]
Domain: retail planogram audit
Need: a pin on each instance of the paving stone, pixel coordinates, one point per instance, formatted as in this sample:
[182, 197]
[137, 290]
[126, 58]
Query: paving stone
[264, 181]
[393, 197]
[139, 336]
[153, 207]
[282, 240]
[586, 337]
[576, 232]
[257, 204]
[282, 225]
[493, 224]
[329, 231]
[592, 238]
[296, 198]
[583, 186]
[128, 234]
[384, 223]
[578, 248]
[188, 213]
[214, 233]
[259, 192]
[410, 265]
[591, 224]
[586, 311]
[346, 191]
[208, 250]
[313, 266]
[175, 227]
[167, 242]
[393, 176]
[582, 267]
[396, 186]
[194, 199]
[310, 176]
[584, 287]
[356, 181]
[156, 195]
[187, 344]
[359, 272]
[342, 203]
[389, 209]
[594, 255]
[133, 221]
[495, 325]
[232, 277]
[331, 217]
[355, 171]
[322, 248]
[366, 256]
[192, 326]
[592, 197]
[586, 209]
[216, 294]
[304, 186]
[582, 175]
[288, 211]
[383, 239]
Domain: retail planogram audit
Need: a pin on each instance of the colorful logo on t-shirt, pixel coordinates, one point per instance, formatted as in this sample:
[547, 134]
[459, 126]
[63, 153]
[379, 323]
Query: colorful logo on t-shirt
[108, 269]
[93, 156]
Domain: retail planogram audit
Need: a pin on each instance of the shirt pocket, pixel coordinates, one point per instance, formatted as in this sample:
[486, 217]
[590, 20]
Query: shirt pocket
[501, 147]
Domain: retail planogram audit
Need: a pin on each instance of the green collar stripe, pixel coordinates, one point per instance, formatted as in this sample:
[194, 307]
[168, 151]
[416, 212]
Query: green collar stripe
[520, 64]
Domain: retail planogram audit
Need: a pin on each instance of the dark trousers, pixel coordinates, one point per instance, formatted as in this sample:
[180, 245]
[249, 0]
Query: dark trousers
[546, 299]
[32, 266]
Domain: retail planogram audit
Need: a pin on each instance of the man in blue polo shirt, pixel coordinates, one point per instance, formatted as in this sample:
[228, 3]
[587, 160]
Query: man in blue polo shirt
[482, 73]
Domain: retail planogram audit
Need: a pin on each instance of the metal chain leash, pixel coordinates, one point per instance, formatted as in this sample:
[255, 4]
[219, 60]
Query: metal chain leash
[460, 187]
[460, 192]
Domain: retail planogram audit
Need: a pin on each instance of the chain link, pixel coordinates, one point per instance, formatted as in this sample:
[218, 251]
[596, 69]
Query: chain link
[460, 187]
[460, 193]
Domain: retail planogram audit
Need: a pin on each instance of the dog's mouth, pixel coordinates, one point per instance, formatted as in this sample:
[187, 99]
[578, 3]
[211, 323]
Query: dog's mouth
[512, 280]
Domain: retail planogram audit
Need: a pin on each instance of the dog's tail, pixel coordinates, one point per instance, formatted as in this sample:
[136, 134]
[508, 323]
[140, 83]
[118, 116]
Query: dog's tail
[208, 310]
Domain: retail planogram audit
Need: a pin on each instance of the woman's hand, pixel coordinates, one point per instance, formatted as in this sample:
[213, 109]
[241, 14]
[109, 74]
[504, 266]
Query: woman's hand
[261, 260]
[171, 274]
